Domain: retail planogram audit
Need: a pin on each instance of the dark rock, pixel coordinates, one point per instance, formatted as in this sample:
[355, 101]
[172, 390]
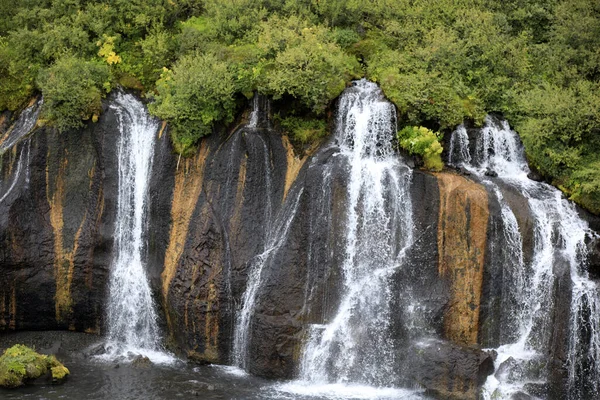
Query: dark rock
[505, 368]
[521, 396]
[464, 171]
[448, 370]
[535, 176]
[491, 173]
[540, 390]
[140, 361]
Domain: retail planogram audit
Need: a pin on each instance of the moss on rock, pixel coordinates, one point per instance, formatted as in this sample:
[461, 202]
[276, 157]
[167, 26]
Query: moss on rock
[20, 363]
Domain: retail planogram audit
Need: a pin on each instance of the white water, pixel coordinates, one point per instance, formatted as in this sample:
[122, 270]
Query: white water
[276, 237]
[559, 237]
[276, 234]
[132, 319]
[354, 353]
[22, 127]
[22, 163]
[259, 116]
[459, 147]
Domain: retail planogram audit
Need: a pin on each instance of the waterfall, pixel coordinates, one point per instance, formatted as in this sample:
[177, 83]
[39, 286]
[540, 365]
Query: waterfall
[459, 147]
[276, 237]
[259, 116]
[528, 300]
[357, 345]
[22, 163]
[132, 319]
[24, 125]
[276, 231]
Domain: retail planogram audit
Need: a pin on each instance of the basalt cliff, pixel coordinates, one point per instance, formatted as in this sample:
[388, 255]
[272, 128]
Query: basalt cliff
[247, 198]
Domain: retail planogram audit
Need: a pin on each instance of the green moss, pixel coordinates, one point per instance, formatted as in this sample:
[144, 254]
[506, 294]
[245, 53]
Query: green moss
[59, 372]
[20, 363]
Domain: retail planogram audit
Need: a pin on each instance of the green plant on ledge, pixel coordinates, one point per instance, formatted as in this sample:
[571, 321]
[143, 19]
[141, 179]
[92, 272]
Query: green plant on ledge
[304, 130]
[425, 143]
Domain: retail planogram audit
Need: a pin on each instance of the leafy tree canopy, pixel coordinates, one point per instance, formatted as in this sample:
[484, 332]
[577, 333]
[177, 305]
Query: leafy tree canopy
[443, 62]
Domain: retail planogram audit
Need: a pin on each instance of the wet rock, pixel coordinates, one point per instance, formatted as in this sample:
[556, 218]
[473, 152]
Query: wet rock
[521, 396]
[56, 228]
[541, 391]
[448, 370]
[491, 173]
[464, 171]
[535, 176]
[505, 368]
[140, 361]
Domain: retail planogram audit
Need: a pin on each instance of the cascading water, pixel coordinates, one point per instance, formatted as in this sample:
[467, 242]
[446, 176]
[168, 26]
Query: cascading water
[22, 127]
[357, 347]
[22, 163]
[18, 131]
[276, 237]
[276, 233]
[132, 320]
[259, 116]
[528, 299]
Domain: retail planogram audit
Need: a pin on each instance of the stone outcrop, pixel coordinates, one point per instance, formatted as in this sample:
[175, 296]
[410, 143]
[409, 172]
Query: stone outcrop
[462, 229]
[56, 227]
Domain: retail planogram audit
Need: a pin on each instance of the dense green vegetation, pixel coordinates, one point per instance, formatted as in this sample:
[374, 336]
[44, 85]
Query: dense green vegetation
[424, 142]
[20, 363]
[442, 62]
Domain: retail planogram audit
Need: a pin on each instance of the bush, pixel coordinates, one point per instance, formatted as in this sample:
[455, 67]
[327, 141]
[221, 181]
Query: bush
[73, 90]
[16, 78]
[302, 61]
[424, 142]
[304, 130]
[195, 94]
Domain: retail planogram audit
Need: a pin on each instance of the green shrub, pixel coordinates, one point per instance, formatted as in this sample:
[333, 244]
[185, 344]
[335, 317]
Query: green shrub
[302, 61]
[16, 78]
[73, 90]
[195, 94]
[304, 130]
[424, 142]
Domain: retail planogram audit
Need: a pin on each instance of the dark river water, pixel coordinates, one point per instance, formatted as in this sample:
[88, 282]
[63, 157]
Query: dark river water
[92, 379]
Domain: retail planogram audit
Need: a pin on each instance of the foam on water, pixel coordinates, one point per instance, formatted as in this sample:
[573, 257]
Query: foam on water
[340, 391]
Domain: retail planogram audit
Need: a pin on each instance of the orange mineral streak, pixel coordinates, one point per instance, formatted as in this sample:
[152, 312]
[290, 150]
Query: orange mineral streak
[462, 230]
[294, 164]
[64, 259]
[188, 184]
[162, 129]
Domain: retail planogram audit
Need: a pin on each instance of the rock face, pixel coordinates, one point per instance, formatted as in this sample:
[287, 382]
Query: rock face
[213, 216]
[56, 228]
[449, 370]
[462, 229]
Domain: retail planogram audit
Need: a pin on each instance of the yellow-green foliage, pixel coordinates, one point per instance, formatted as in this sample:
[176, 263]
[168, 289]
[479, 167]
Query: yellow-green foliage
[302, 60]
[424, 142]
[20, 363]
